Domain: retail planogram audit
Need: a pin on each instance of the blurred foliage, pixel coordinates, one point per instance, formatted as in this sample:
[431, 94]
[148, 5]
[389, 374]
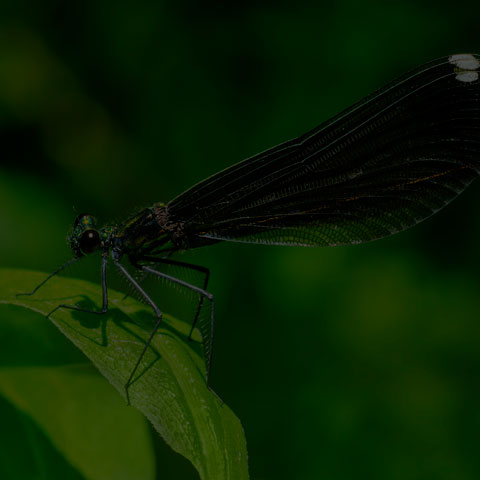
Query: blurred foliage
[345, 362]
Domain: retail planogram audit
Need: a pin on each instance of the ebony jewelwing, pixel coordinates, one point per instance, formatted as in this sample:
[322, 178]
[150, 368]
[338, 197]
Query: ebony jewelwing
[381, 166]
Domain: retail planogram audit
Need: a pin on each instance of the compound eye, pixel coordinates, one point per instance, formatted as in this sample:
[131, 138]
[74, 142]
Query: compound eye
[89, 241]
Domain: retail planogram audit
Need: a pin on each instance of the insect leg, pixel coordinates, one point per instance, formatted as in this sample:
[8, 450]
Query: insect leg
[204, 294]
[158, 314]
[139, 280]
[57, 271]
[150, 259]
[104, 295]
[190, 266]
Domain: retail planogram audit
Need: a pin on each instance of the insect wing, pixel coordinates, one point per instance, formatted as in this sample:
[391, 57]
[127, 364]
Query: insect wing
[383, 165]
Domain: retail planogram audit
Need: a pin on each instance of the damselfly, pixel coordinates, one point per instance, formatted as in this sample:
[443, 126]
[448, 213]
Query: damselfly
[383, 165]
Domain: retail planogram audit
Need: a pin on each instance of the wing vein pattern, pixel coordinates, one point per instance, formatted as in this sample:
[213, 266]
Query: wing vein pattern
[383, 165]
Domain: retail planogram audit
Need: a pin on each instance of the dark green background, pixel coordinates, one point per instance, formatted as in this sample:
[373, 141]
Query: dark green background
[349, 362]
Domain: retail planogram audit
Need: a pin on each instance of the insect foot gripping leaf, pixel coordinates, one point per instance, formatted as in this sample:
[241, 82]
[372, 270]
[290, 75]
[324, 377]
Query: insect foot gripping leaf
[169, 387]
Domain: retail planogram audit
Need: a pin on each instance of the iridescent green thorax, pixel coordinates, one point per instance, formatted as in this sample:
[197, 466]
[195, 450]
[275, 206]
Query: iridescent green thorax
[144, 232]
[107, 235]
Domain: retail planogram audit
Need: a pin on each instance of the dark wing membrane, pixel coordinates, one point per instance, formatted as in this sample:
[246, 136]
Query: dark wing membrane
[383, 165]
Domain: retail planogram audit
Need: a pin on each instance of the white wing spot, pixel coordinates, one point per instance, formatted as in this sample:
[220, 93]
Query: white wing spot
[466, 67]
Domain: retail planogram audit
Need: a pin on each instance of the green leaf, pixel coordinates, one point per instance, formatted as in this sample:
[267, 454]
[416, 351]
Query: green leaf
[169, 387]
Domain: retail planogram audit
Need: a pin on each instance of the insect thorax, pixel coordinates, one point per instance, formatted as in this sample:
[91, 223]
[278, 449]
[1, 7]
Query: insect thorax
[149, 230]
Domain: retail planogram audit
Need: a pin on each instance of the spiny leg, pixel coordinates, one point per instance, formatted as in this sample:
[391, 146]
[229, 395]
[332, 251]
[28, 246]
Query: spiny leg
[56, 272]
[190, 266]
[128, 294]
[104, 295]
[204, 294]
[150, 259]
[158, 313]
